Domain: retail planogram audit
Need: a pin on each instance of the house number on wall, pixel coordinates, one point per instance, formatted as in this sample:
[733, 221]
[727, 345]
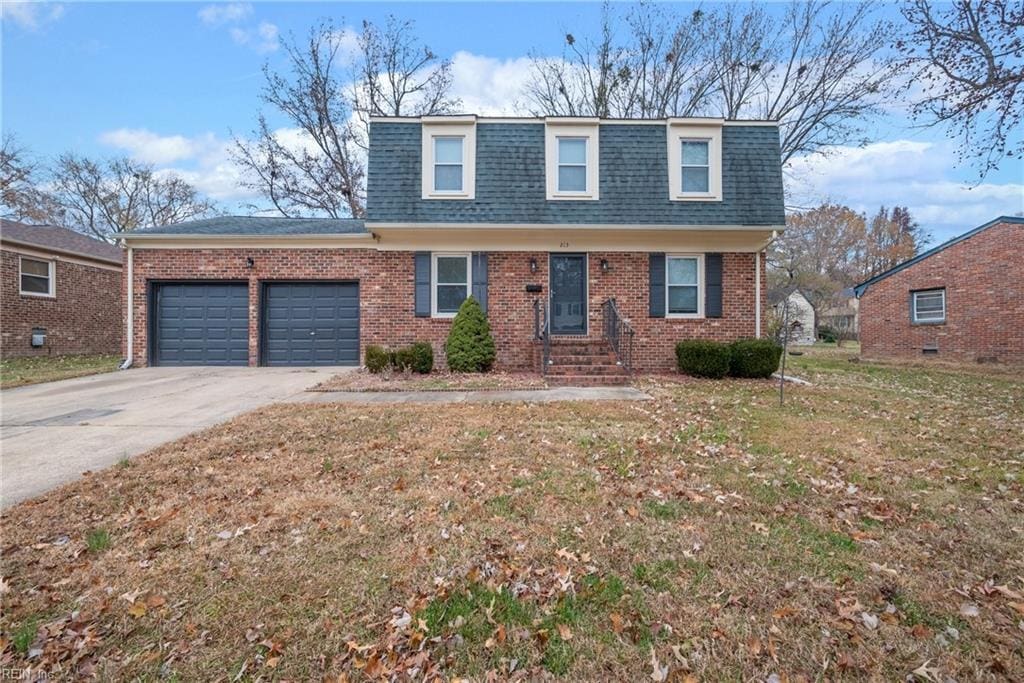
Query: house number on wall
[563, 245]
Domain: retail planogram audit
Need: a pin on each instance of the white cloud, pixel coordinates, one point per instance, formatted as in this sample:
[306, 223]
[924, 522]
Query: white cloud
[263, 38]
[152, 148]
[214, 15]
[905, 173]
[30, 15]
[488, 86]
[347, 42]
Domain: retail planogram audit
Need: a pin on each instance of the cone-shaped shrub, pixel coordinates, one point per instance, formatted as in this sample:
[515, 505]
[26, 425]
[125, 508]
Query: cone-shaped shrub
[470, 347]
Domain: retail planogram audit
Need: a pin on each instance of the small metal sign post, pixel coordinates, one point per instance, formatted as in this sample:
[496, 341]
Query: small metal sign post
[785, 350]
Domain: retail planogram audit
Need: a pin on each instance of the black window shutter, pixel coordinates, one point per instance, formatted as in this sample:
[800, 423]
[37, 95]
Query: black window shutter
[713, 285]
[421, 260]
[657, 289]
[480, 278]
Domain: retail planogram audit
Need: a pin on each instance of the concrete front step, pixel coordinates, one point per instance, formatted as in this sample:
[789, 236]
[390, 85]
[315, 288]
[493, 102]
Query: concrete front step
[587, 380]
[604, 369]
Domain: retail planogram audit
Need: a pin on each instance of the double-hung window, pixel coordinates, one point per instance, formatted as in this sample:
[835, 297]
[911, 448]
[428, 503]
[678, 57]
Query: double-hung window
[37, 277]
[695, 160]
[572, 164]
[696, 168]
[448, 164]
[928, 306]
[451, 283]
[448, 157]
[683, 282]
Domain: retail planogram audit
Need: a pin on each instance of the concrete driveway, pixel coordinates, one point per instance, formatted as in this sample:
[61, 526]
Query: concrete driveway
[53, 432]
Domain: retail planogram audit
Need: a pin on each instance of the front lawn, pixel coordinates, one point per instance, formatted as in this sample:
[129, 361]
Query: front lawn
[15, 372]
[870, 528]
[362, 380]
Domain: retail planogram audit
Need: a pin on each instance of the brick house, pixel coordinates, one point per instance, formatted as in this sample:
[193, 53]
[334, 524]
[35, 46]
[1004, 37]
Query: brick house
[563, 228]
[62, 286]
[962, 300]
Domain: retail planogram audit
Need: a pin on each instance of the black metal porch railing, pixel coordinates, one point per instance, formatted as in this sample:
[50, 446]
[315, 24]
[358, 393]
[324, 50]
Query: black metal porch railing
[542, 332]
[619, 334]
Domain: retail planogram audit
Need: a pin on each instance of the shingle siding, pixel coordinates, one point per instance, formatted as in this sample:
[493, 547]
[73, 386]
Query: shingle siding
[510, 181]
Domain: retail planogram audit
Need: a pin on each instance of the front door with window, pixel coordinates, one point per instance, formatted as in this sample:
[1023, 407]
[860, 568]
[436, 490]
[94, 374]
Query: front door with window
[568, 291]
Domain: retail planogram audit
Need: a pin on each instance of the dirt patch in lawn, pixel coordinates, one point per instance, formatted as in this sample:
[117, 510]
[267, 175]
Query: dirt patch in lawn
[362, 380]
[869, 529]
[16, 372]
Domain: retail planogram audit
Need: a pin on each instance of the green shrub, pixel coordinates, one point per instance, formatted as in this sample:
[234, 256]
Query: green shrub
[377, 359]
[470, 347]
[401, 359]
[422, 357]
[702, 358]
[826, 334]
[754, 357]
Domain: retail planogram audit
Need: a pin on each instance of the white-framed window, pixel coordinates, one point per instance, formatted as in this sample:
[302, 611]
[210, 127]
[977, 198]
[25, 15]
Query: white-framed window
[37, 277]
[572, 164]
[451, 278]
[695, 170]
[684, 285]
[448, 165]
[571, 158]
[449, 157]
[695, 159]
[928, 306]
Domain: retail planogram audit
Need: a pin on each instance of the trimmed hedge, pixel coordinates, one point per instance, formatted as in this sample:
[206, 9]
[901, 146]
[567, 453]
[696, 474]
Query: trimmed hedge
[470, 347]
[703, 358]
[754, 357]
[419, 358]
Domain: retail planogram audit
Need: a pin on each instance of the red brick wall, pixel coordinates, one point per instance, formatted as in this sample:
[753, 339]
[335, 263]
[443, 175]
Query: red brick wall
[984, 281]
[84, 317]
[386, 296]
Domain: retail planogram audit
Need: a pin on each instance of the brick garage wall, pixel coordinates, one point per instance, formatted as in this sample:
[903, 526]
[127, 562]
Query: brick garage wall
[984, 281]
[386, 296]
[84, 318]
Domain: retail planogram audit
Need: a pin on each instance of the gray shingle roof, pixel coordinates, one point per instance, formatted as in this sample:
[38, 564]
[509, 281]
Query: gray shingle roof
[260, 225]
[61, 239]
[510, 179]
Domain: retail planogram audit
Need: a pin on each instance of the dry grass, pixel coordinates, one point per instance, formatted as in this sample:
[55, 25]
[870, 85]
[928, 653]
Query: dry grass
[870, 528]
[362, 380]
[16, 372]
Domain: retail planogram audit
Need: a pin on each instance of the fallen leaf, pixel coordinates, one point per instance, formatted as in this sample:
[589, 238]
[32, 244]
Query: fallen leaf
[659, 673]
[138, 609]
[565, 632]
[869, 620]
[969, 609]
[617, 622]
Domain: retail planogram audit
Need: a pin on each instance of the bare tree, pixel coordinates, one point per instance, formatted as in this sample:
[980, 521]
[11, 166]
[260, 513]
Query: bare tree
[820, 70]
[21, 196]
[661, 68]
[103, 197]
[398, 76]
[968, 57]
[322, 169]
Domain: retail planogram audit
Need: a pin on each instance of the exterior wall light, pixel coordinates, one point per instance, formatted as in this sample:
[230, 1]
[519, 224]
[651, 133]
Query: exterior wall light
[533, 265]
[605, 266]
[250, 262]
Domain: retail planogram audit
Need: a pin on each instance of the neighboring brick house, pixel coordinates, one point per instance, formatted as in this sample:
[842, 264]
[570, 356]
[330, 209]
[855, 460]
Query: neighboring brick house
[62, 286]
[542, 220]
[962, 300]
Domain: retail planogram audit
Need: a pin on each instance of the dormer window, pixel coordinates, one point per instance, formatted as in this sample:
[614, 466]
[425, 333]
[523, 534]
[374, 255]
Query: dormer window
[572, 164]
[448, 165]
[695, 170]
[570, 151]
[449, 157]
[695, 159]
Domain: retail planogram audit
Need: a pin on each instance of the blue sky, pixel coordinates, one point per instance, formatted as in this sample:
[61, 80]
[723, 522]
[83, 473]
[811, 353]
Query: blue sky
[169, 82]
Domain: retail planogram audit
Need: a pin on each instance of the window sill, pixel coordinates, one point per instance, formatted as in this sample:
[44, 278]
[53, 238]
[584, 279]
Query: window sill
[927, 323]
[696, 198]
[448, 195]
[442, 316]
[569, 196]
[684, 316]
[36, 295]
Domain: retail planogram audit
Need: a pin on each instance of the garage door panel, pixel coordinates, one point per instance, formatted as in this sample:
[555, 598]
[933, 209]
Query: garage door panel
[311, 324]
[199, 323]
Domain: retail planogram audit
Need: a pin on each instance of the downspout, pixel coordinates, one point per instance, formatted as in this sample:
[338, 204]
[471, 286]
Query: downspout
[757, 294]
[130, 325]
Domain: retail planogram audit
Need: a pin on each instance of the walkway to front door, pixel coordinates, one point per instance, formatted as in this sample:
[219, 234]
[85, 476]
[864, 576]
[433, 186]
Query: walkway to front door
[568, 290]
